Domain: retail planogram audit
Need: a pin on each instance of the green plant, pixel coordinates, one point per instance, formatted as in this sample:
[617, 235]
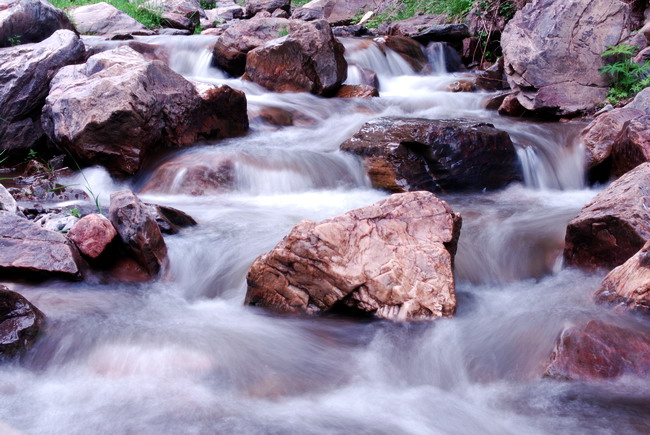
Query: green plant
[31, 155]
[74, 212]
[198, 29]
[283, 31]
[628, 77]
[14, 40]
[87, 185]
[3, 159]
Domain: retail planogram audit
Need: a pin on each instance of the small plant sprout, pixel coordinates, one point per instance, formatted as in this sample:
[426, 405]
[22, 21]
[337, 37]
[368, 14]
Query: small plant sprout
[74, 212]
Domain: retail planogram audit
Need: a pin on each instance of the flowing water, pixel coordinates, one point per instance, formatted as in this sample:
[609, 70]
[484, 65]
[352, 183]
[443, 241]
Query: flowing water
[184, 356]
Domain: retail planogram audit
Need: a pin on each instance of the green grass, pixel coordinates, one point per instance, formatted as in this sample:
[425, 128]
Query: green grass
[298, 3]
[455, 9]
[148, 17]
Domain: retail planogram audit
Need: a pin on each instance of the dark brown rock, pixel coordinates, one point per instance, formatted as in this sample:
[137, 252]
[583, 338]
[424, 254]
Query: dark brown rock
[494, 102]
[20, 323]
[632, 147]
[169, 219]
[138, 230]
[598, 350]
[613, 226]
[25, 74]
[357, 91]
[629, 283]
[570, 34]
[309, 59]
[32, 252]
[510, 106]
[404, 154]
[92, 234]
[392, 260]
[145, 106]
[25, 21]
[451, 33]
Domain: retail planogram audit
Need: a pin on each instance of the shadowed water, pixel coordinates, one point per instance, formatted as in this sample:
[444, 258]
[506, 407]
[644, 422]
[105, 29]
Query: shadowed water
[183, 355]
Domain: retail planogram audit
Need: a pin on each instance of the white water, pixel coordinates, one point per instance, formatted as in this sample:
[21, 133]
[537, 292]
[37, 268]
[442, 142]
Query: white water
[184, 356]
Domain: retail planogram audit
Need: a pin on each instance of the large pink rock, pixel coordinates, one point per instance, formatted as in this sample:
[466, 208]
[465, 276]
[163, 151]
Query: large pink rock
[392, 260]
[92, 234]
[552, 52]
[629, 283]
[598, 350]
[613, 226]
[105, 19]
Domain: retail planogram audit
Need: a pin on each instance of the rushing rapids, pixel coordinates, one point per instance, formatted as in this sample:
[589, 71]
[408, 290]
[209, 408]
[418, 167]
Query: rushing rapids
[183, 355]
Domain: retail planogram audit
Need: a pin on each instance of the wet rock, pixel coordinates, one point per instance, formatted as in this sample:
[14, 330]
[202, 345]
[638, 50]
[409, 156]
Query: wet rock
[629, 283]
[92, 234]
[191, 175]
[572, 34]
[451, 33]
[145, 106]
[231, 48]
[20, 323]
[391, 260]
[274, 116]
[104, 19]
[600, 136]
[494, 102]
[613, 226]
[405, 154]
[7, 202]
[25, 74]
[309, 59]
[60, 222]
[461, 86]
[255, 6]
[414, 25]
[598, 350]
[408, 48]
[357, 91]
[138, 230]
[169, 219]
[510, 106]
[177, 21]
[632, 147]
[33, 252]
[493, 78]
[25, 21]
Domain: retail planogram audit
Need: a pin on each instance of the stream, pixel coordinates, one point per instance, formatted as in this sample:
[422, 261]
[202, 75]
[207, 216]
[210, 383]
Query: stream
[183, 355]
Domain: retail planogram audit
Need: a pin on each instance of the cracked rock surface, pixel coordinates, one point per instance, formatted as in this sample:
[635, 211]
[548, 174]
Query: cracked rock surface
[392, 260]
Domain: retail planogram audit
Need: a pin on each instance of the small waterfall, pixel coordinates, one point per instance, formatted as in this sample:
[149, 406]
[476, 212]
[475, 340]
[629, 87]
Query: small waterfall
[442, 58]
[366, 53]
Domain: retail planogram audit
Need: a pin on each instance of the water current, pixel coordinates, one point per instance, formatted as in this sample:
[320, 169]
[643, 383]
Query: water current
[184, 356]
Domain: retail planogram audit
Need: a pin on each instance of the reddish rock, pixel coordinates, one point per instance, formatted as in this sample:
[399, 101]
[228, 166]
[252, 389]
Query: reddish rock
[273, 115]
[309, 59]
[408, 48]
[145, 106]
[138, 230]
[357, 91]
[20, 323]
[613, 226]
[31, 252]
[494, 102]
[600, 136]
[461, 86]
[404, 154]
[25, 21]
[629, 283]
[632, 147]
[510, 106]
[392, 260]
[127, 270]
[598, 350]
[92, 234]
[193, 174]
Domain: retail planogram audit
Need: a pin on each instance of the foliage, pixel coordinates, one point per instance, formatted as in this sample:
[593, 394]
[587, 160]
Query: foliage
[628, 77]
[136, 9]
[3, 159]
[74, 212]
[298, 3]
[14, 40]
[283, 32]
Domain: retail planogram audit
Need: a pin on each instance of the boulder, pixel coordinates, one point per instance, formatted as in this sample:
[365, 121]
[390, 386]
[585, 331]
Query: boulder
[308, 14]
[309, 59]
[552, 52]
[344, 11]
[613, 226]
[177, 21]
[190, 174]
[414, 25]
[104, 19]
[391, 260]
[629, 283]
[600, 136]
[598, 350]
[357, 91]
[25, 74]
[188, 8]
[225, 13]
[138, 230]
[20, 323]
[255, 6]
[29, 251]
[25, 21]
[169, 219]
[451, 33]
[632, 147]
[7, 202]
[92, 234]
[145, 105]
[231, 48]
[405, 154]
